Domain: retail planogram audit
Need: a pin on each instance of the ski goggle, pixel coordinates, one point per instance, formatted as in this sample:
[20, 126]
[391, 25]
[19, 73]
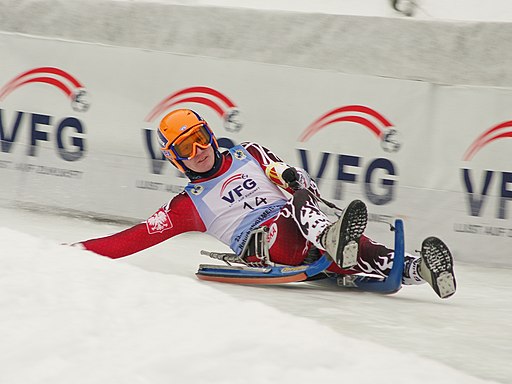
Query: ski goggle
[184, 147]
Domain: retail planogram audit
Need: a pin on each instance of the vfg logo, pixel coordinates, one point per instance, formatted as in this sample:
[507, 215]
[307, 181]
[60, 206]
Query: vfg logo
[224, 107]
[384, 131]
[231, 194]
[64, 127]
[478, 194]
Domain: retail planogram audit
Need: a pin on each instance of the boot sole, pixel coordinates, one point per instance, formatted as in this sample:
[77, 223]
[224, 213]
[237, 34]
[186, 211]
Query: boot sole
[353, 225]
[439, 261]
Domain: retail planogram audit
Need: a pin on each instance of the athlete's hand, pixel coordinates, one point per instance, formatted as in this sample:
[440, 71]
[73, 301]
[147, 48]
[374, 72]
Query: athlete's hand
[291, 177]
[283, 175]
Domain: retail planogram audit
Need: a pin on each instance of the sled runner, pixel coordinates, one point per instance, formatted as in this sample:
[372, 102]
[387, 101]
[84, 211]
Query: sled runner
[263, 271]
[262, 275]
[393, 282]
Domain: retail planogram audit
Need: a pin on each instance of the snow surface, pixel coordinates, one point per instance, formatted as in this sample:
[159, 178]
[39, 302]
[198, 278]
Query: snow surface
[70, 316]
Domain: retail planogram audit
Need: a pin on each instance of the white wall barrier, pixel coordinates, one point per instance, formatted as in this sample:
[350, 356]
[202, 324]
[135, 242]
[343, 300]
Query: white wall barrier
[77, 125]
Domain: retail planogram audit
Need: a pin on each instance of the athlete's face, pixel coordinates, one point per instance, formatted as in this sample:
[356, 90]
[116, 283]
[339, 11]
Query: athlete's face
[203, 161]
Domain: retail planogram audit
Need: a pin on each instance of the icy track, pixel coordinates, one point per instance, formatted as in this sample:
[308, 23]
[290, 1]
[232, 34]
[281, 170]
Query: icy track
[70, 316]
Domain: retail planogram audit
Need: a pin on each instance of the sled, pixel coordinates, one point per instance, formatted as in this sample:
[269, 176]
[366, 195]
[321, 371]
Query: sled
[261, 275]
[279, 274]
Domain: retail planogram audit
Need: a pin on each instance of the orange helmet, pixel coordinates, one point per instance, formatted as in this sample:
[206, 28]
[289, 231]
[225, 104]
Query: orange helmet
[180, 133]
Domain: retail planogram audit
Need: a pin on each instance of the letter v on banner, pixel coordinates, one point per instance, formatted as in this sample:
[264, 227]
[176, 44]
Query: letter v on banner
[156, 162]
[305, 164]
[475, 204]
[6, 141]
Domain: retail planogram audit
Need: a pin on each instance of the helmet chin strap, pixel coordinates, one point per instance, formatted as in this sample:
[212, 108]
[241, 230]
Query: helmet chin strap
[193, 176]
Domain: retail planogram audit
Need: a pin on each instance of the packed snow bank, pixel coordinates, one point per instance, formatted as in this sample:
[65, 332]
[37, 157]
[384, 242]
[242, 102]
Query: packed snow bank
[70, 316]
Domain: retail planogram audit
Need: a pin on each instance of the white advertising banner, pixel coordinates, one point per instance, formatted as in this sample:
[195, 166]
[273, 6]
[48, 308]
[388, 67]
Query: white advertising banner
[77, 126]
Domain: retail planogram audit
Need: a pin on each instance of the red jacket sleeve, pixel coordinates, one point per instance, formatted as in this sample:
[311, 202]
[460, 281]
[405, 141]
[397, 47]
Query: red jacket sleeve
[178, 216]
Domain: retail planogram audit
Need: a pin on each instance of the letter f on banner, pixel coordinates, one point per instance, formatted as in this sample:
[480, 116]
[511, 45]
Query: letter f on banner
[475, 204]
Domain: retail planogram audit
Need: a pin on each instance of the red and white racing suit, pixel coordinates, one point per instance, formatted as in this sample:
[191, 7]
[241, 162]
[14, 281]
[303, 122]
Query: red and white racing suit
[238, 198]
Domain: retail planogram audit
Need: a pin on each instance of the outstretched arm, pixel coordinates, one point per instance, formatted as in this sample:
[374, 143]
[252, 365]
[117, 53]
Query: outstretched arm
[178, 216]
